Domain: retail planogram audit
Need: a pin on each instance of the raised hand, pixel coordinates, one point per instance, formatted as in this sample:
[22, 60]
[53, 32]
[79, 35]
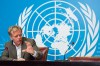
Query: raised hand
[29, 48]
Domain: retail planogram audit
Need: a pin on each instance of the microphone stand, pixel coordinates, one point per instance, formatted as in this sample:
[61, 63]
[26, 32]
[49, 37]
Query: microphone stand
[65, 56]
[66, 51]
[64, 60]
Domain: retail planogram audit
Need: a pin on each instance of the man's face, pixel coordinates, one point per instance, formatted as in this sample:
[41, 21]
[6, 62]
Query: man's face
[16, 36]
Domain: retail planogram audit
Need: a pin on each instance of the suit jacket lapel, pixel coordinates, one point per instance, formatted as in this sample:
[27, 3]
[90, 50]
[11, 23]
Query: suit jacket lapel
[13, 49]
[23, 46]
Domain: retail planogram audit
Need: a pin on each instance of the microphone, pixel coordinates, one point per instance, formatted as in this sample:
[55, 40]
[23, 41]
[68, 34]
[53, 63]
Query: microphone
[64, 59]
[67, 50]
[6, 48]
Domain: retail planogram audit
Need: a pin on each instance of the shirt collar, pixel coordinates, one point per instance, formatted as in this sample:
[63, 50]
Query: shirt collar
[15, 45]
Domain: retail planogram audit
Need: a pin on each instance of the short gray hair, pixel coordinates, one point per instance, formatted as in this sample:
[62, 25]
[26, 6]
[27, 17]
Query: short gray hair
[14, 28]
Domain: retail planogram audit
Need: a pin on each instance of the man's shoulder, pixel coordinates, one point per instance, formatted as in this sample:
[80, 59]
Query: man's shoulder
[27, 39]
[8, 43]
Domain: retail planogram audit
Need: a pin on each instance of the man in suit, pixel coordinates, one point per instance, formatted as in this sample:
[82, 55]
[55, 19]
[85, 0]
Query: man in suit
[20, 48]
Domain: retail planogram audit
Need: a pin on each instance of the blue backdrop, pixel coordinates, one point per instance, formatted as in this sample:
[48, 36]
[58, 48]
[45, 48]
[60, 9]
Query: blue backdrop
[72, 25]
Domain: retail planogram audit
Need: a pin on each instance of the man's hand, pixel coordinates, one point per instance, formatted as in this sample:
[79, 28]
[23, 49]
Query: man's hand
[29, 48]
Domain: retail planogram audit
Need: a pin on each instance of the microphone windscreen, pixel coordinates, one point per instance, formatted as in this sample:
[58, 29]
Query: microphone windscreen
[6, 48]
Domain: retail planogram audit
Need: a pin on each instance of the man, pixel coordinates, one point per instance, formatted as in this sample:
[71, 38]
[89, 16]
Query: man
[20, 48]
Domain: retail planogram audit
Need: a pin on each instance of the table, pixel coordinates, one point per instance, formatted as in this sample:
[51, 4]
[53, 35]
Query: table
[47, 63]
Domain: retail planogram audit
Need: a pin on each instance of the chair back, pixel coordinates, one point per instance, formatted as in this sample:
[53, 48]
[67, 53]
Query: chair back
[84, 59]
[44, 50]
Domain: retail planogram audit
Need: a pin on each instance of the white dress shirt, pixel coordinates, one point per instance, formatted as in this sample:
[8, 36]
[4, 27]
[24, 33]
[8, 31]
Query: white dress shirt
[18, 49]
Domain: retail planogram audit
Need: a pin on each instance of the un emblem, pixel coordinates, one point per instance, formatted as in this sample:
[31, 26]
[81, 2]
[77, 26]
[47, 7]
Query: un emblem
[65, 29]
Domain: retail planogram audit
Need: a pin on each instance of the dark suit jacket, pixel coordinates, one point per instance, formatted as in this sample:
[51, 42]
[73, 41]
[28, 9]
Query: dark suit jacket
[10, 52]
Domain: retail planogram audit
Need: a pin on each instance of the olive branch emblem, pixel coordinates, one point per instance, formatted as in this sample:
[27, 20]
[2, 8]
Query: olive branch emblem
[23, 18]
[92, 35]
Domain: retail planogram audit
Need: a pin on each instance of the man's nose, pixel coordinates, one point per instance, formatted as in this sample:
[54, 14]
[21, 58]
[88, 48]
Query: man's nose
[19, 36]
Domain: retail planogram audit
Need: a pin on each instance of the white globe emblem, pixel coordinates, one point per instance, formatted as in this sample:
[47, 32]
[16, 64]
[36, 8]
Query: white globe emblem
[58, 25]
